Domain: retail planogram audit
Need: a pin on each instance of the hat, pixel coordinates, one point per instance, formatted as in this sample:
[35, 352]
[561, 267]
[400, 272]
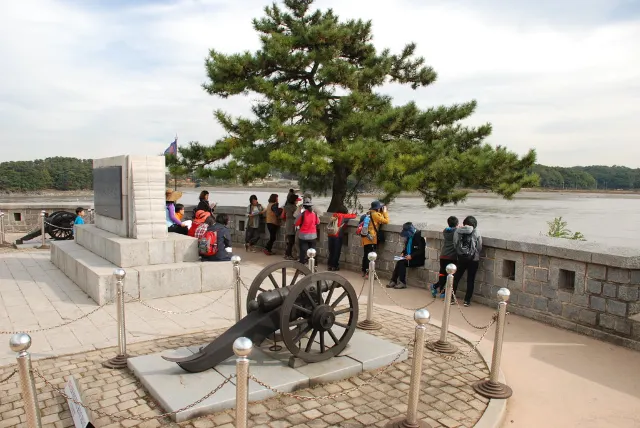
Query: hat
[408, 229]
[376, 205]
[307, 201]
[202, 216]
[172, 195]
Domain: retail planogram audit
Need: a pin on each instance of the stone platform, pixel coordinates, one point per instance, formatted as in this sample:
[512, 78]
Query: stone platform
[174, 388]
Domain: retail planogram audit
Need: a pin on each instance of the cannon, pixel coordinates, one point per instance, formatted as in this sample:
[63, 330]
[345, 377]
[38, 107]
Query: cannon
[316, 316]
[59, 226]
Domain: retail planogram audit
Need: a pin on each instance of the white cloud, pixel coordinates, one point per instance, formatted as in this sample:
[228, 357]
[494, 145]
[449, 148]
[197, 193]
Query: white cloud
[95, 82]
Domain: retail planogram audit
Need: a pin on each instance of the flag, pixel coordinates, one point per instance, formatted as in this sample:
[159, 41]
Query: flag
[173, 148]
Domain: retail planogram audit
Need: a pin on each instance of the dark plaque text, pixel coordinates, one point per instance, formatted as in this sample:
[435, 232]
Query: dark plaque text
[107, 191]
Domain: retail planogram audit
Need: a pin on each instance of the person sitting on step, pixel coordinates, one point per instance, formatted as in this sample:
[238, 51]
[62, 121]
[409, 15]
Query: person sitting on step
[413, 255]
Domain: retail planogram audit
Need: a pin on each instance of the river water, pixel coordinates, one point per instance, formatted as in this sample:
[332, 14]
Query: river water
[610, 219]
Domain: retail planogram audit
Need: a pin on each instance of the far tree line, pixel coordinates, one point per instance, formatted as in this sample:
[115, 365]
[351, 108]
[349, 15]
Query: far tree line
[65, 173]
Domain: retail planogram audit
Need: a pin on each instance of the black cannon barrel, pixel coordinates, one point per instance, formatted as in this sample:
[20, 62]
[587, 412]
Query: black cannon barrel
[272, 299]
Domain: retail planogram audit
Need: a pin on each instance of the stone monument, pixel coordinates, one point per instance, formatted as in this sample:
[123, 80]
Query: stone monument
[130, 232]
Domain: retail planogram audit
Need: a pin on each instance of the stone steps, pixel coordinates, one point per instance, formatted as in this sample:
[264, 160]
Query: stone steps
[94, 275]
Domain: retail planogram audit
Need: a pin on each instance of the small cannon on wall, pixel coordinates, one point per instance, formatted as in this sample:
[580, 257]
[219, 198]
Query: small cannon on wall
[59, 226]
[316, 316]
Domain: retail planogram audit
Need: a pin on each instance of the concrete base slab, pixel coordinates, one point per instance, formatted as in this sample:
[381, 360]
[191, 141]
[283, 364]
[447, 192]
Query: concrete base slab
[174, 388]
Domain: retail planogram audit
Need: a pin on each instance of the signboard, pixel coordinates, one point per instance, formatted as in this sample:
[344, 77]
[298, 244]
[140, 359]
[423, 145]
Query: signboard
[107, 191]
[78, 413]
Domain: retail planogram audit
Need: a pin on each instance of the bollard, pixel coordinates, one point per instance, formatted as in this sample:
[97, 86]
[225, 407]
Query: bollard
[1, 228]
[442, 346]
[20, 343]
[421, 317]
[311, 254]
[42, 224]
[491, 388]
[369, 323]
[242, 348]
[120, 360]
[237, 286]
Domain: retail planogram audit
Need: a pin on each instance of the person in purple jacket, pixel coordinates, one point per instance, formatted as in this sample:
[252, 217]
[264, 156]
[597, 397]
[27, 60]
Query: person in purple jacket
[173, 223]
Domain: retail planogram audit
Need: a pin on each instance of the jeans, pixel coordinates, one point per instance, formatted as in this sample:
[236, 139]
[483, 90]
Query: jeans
[305, 244]
[442, 279]
[335, 248]
[273, 234]
[365, 256]
[252, 235]
[400, 272]
[472, 268]
[291, 240]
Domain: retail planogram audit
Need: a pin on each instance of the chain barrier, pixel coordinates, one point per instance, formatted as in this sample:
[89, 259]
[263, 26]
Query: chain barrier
[376, 374]
[10, 376]
[246, 287]
[396, 302]
[131, 418]
[493, 318]
[168, 311]
[364, 283]
[56, 226]
[457, 356]
[37, 330]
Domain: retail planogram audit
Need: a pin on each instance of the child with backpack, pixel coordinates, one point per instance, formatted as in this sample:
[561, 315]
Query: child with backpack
[213, 245]
[308, 222]
[334, 233]
[369, 230]
[468, 244]
[447, 255]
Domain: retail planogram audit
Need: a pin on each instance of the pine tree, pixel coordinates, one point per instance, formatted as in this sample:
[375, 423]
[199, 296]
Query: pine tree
[317, 115]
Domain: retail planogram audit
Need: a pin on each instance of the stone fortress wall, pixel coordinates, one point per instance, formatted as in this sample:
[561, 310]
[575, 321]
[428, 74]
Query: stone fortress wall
[581, 286]
[24, 217]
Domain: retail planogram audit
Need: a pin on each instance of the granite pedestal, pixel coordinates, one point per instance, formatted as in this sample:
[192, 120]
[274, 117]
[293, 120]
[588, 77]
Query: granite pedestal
[174, 388]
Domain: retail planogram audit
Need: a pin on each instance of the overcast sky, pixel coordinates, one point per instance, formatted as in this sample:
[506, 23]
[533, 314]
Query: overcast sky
[97, 78]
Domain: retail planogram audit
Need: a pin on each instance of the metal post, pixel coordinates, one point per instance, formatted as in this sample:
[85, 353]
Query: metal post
[442, 346]
[491, 388]
[42, 224]
[20, 343]
[237, 284]
[242, 348]
[120, 360]
[369, 323]
[311, 254]
[421, 317]
[1, 228]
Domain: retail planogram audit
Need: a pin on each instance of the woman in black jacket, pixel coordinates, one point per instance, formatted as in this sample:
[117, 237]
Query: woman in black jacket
[413, 255]
[204, 204]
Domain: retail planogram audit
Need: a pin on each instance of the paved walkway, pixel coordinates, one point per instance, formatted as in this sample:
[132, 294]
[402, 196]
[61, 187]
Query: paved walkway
[560, 379]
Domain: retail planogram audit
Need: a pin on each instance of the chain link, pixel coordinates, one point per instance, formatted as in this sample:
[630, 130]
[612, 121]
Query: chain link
[396, 302]
[493, 318]
[377, 373]
[131, 418]
[246, 287]
[449, 357]
[59, 325]
[10, 376]
[167, 311]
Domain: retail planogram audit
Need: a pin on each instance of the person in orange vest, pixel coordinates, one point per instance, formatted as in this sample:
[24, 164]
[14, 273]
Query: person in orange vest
[335, 233]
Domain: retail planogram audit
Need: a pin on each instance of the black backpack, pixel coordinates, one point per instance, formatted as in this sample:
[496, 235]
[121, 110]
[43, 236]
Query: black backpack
[466, 247]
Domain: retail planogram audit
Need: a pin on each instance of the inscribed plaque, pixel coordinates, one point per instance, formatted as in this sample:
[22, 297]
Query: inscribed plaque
[107, 191]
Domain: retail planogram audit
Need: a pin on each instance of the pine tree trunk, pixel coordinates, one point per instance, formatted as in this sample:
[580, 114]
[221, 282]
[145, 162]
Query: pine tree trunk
[339, 190]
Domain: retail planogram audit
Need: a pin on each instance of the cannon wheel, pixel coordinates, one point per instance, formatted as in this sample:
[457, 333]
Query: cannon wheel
[64, 220]
[309, 310]
[275, 276]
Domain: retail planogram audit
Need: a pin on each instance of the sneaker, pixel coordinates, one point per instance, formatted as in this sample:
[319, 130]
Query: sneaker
[246, 247]
[400, 286]
[467, 304]
[434, 290]
[442, 296]
[391, 284]
[335, 269]
[252, 249]
[267, 252]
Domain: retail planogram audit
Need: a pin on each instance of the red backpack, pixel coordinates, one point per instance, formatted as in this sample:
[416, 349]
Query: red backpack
[208, 244]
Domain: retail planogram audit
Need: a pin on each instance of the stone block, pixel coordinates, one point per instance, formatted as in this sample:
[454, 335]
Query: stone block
[609, 290]
[569, 265]
[330, 370]
[161, 251]
[596, 271]
[526, 300]
[549, 292]
[634, 309]
[564, 296]
[555, 307]
[621, 257]
[542, 275]
[588, 317]
[607, 321]
[217, 276]
[540, 304]
[533, 287]
[126, 252]
[545, 262]
[598, 303]
[373, 352]
[571, 312]
[616, 308]
[628, 293]
[635, 277]
[594, 287]
[186, 248]
[580, 300]
[169, 280]
[617, 275]
[532, 260]
[623, 326]
[529, 272]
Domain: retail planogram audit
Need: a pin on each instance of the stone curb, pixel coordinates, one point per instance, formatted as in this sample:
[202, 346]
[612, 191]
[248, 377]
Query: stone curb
[496, 410]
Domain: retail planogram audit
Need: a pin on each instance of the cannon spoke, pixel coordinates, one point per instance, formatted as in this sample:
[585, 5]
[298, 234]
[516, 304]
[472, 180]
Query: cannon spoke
[284, 276]
[295, 277]
[333, 336]
[273, 281]
[322, 347]
[300, 308]
[319, 292]
[311, 339]
[308, 294]
[342, 296]
[333, 287]
[300, 335]
[344, 311]
[343, 325]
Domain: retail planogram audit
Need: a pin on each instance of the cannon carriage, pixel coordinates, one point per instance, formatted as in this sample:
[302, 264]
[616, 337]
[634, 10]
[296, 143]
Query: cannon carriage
[59, 226]
[316, 315]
